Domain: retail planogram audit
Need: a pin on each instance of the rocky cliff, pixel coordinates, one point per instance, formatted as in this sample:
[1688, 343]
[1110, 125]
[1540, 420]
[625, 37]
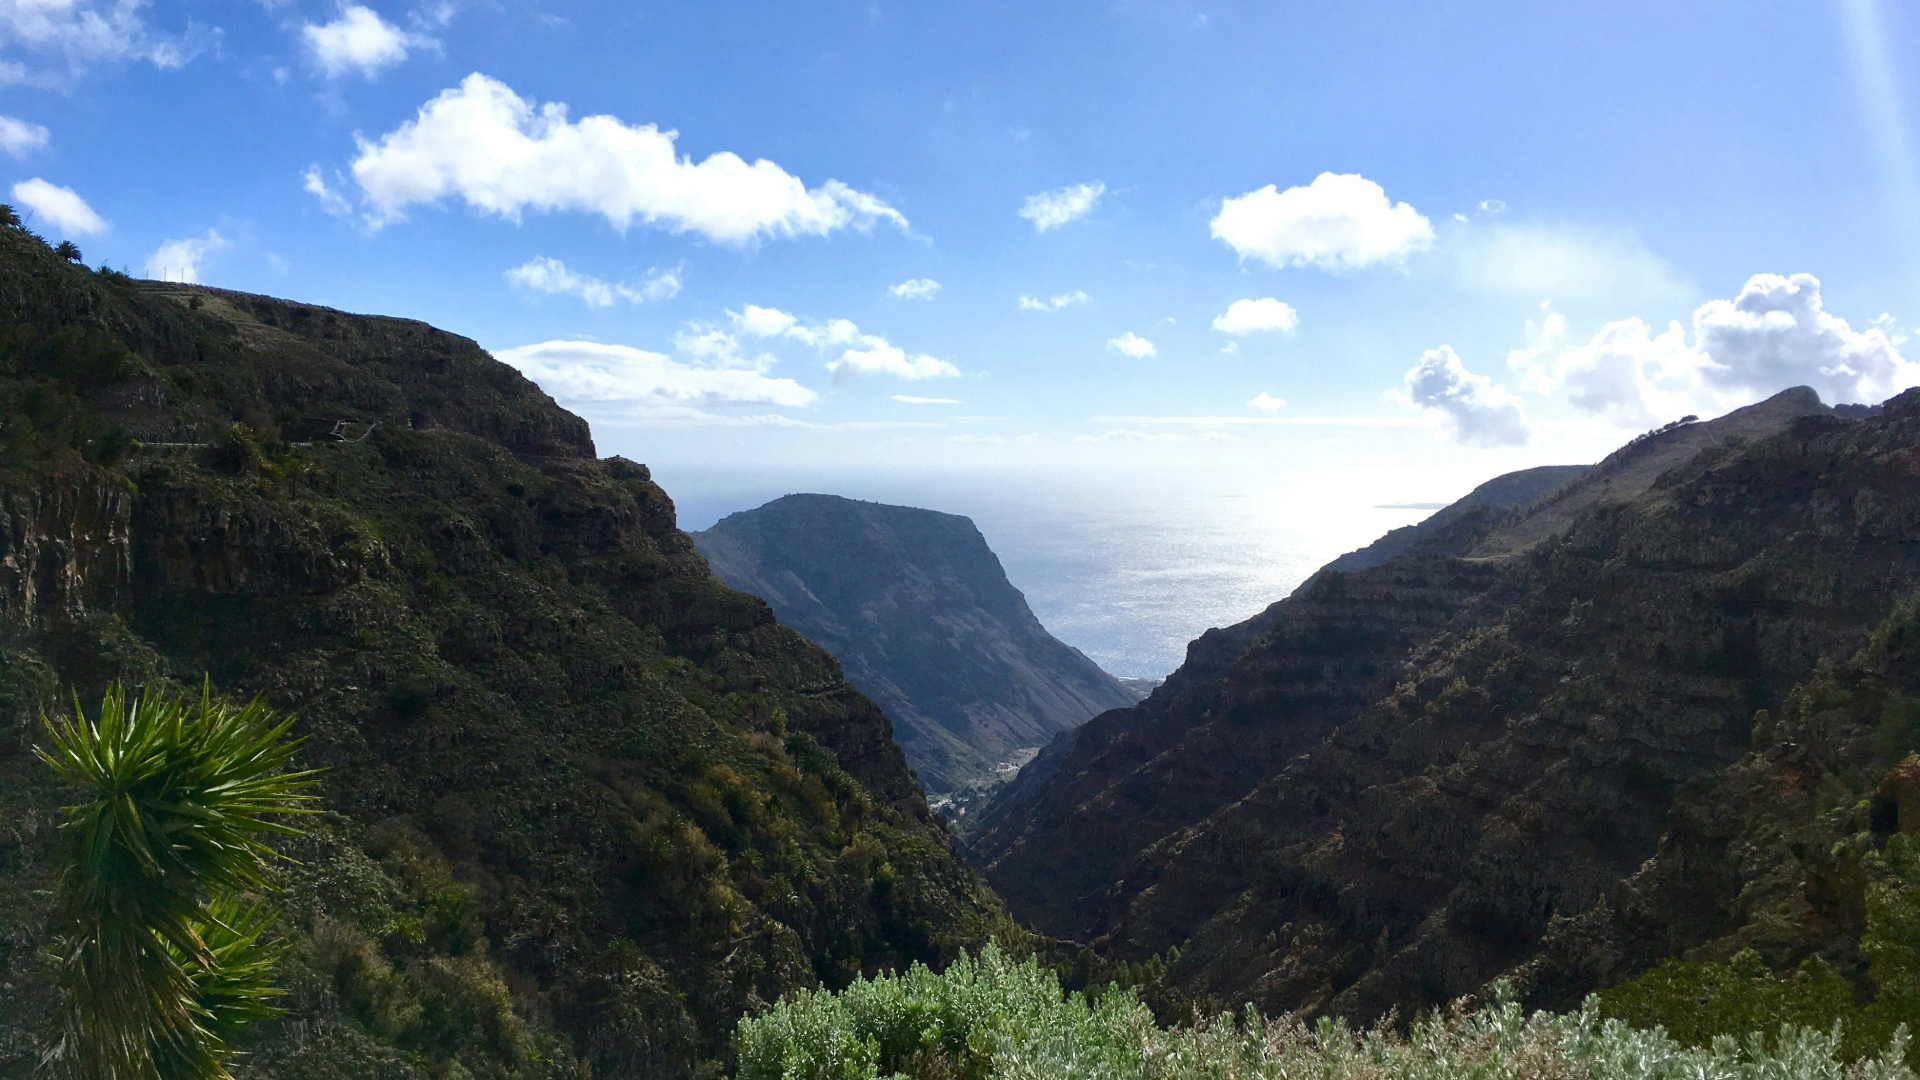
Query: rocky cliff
[923, 619]
[1383, 791]
[585, 804]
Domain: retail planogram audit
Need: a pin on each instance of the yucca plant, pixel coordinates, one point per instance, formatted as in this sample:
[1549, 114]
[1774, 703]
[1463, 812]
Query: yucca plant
[161, 965]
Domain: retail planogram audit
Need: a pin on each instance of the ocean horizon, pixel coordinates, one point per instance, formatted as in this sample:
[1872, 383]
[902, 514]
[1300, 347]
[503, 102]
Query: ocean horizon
[1128, 573]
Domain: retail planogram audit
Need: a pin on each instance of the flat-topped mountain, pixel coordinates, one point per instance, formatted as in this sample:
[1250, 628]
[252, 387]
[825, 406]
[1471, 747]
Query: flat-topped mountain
[1392, 786]
[585, 805]
[923, 619]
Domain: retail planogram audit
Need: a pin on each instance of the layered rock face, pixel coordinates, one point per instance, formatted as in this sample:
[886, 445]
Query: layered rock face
[585, 804]
[1381, 792]
[923, 619]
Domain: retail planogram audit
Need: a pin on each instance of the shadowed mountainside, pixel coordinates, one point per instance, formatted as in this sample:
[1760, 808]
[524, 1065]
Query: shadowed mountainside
[923, 619]
[585, 805]
[1381, 792]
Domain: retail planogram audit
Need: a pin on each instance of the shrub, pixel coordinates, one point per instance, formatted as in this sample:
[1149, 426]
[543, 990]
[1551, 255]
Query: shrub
[988, 1018]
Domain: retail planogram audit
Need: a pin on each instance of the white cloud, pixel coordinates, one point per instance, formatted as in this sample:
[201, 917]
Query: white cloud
[1471, 407]
[1338, 222]
[547, 275]
[763, 322]
[482, 143]
[914, 289]
[330, 198]
[359, 40]
[1565, 263]
[1031, 303]
[623, 381]
[1254, 316]
[1267, 403]
[1777, 333]
[78, 34]
[909, 399]
[864, 354]
[60, 207]
[880, 358]
[19, 138]
[1052, 209]
[1132, 344]
[180, 260]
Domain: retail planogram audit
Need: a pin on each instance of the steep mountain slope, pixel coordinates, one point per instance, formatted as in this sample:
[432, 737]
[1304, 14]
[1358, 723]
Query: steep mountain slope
[923, 619]
[1504, 493]
[1379, 792]
[585, 804]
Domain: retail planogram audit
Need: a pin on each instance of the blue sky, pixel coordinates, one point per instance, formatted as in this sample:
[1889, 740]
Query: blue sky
[1384, 251]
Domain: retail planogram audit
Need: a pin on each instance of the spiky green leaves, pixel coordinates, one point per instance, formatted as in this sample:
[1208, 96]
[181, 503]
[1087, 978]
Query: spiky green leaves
[160, 962]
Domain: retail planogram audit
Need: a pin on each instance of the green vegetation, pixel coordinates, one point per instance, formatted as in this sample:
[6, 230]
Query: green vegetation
[989, 1017]
[160, 961]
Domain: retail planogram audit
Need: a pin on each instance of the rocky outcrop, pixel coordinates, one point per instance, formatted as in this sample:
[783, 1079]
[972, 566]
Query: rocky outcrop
[585, 805]
[1379, 793]
[923, 619]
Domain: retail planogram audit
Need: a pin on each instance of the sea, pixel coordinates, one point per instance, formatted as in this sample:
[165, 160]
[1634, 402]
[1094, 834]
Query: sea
[1127, 570]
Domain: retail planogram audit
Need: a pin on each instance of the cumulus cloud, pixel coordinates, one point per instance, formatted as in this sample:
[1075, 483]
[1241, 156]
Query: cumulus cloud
[1775, 334]
[359, 40]
[61, 39]
[547, 275]
[623, 382]
[1471, 407]
[501, 154]
[180, 260]
[877, 357]
[914, 289]
[1053, 303]
[1052, 209]
[1267, 403]
[1564, 263]
[909, 399]
[1338, 222]
[60, 207]
[862, 354]
[19, 138]
[1132, 344]
[1255, 316]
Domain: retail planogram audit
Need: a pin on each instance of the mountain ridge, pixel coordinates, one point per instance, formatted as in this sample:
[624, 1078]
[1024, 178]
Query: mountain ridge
[585, 805]
[1281, 811]
[921, 615]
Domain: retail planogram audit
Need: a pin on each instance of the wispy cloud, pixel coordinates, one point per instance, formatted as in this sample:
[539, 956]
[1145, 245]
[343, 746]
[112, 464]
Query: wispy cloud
[914, 289]
[1053, 303]
[547, 275]
[19, 138]
[1052, 209]
[1132, 344]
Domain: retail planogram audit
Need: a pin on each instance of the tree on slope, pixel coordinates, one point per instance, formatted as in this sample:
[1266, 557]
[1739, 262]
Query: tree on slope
[161, 962]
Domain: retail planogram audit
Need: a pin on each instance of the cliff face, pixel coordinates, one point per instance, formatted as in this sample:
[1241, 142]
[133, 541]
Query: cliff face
[1382, 791]
[585, 804]
[923, 619]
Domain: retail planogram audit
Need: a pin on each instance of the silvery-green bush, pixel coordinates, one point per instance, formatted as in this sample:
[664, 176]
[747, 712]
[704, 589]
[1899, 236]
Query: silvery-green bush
[991, 1018]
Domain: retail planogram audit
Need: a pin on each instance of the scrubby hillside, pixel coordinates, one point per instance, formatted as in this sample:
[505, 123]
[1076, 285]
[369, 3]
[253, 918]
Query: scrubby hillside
[586, 805]
[1382, 792]
[924, 620]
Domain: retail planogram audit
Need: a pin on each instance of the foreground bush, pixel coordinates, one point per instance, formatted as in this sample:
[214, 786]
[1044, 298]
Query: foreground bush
[990, 1017]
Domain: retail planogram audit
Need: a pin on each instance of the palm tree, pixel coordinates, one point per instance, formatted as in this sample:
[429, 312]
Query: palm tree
[68, 250]
[160, 964]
